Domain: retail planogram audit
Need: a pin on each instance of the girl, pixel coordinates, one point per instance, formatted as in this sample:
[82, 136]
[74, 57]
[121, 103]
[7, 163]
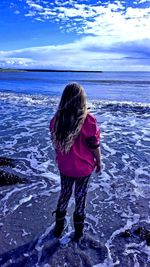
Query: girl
[75, 136]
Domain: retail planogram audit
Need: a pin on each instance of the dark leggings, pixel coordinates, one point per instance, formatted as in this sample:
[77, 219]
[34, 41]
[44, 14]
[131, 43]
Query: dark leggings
[81, 186]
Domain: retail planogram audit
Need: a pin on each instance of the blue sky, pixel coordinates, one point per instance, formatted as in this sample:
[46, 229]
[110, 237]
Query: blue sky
[75, 34]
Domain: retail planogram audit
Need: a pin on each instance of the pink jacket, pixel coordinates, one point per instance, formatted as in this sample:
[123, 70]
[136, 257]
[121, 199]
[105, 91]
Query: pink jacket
[79, 162]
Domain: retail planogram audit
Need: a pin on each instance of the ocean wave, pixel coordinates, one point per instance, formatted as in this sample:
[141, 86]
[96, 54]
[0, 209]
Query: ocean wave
[126, 82]
[52, 101]
[25, 99]
[28, 79]
[124, 106]
[53, 80]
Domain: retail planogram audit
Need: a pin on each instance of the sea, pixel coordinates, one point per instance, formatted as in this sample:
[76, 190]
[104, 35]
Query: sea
[118, 203]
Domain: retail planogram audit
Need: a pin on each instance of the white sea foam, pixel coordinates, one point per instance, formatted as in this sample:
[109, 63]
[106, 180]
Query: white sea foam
[52, 176]
[115, 195]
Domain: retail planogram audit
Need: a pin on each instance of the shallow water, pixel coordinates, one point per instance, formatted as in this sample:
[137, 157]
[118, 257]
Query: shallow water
[120, 86]
[118, 199]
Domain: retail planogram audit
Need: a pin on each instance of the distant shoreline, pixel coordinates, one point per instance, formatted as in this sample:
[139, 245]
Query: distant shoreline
[47, 70]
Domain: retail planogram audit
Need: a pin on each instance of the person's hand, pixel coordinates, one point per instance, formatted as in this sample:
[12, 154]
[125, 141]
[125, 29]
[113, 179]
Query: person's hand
[98, 167]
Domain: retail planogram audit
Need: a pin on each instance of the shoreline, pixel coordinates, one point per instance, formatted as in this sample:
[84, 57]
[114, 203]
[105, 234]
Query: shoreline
[48, 70]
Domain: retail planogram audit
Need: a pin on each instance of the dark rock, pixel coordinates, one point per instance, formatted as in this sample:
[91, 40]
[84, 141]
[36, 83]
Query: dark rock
[4, 161]
[144, 234]
[139, 230]
[7, 175]
[125, 234]
[8, 178]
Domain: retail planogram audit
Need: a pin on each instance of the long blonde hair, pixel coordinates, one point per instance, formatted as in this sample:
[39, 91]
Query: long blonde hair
[69, 117]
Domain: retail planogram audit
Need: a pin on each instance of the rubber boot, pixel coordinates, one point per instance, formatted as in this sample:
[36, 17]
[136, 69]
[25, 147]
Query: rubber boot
[60, 221]
[78, 226]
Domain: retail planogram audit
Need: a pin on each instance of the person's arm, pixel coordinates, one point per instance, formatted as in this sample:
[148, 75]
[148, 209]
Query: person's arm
[93, 140]
[97, 156]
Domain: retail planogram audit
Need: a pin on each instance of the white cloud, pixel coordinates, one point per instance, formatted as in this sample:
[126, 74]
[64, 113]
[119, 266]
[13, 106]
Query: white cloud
[133, 24]
[36, 6]
[11, 62]
[116, 37]
[112, 21]
[30, 14]
[143, 1]
[87, 53]
[116, 6]
[17, 12]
